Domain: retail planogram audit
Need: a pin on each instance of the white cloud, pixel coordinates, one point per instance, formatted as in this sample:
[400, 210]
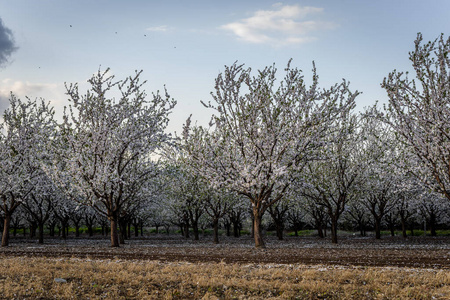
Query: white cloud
[162, 28]
[285, 24]
[49, 91]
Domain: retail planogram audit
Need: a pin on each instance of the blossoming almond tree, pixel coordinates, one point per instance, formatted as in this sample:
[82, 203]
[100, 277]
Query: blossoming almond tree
[333, 181]
[106, 145]
[263, 132]
[419, 111]
[23, 134]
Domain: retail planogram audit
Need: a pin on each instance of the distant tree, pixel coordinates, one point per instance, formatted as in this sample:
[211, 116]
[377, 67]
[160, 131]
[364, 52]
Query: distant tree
[432, 208]
[217, 204]
[278, 212]
[334, 180]
[262, 133]
[39, 204]
[357, 214]
[106, 146]
[382, 176]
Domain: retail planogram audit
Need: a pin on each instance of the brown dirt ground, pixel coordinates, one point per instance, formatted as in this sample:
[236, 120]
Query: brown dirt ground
[415, 252]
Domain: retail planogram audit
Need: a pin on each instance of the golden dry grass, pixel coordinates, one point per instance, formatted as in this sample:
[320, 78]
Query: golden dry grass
[33, 278]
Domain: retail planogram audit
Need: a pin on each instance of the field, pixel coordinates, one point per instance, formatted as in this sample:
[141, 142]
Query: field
[169, 267]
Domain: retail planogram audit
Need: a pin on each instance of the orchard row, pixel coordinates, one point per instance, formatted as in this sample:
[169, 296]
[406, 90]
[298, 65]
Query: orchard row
[280, 147]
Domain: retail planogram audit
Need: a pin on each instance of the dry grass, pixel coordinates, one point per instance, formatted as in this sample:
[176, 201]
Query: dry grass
[33, 278]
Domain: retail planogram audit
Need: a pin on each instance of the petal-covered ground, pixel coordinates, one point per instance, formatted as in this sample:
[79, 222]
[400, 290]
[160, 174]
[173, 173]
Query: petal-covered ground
[415, 252]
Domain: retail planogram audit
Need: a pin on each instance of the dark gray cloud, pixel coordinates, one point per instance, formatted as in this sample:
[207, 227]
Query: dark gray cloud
[7, 43]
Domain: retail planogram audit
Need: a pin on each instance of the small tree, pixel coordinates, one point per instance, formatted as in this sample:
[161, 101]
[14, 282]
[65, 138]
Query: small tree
[261, 135]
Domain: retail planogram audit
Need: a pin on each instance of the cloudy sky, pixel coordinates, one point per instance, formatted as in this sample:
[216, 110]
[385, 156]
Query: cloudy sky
[184, 44]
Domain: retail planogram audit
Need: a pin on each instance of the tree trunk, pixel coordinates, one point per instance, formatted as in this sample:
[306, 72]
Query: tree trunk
[32, 230]
[334, 237]
[136, 229]
[5, 236]
[51, 228]
[196, 231]
[216, 230]
[41, 233]
[186, 230]
[114, 233]
[77, 229]
[228, 227]
[90, 229]
[259, 242]
[378, 228]
[236, 230]
[63, 231]
[319, 229]
[432, 225]
[403, 221]
[279, 229]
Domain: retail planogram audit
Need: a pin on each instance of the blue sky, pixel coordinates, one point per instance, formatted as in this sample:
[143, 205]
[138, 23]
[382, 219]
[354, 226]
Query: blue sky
[184, 44]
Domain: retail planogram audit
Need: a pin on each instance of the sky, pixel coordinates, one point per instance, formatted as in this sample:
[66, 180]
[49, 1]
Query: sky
[184, 44]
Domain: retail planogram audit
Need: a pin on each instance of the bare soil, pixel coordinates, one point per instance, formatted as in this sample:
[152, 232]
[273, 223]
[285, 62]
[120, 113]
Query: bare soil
[414, 252]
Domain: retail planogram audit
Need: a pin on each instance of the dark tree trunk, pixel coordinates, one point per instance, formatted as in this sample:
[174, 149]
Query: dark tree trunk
[392, 231]
[378, 228]
[280, 229]
[5, 236]
[320, 229]
[227, 225]
[186, 230]
[216, 230]
[51, 228]
[63, 231]
[33, 230]
[334, 236]
[136, 228]
[41, 233]
[196, 231]
[403, 221]
[432, 224]
[90, 229]
[114, 233]
[236, 231]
